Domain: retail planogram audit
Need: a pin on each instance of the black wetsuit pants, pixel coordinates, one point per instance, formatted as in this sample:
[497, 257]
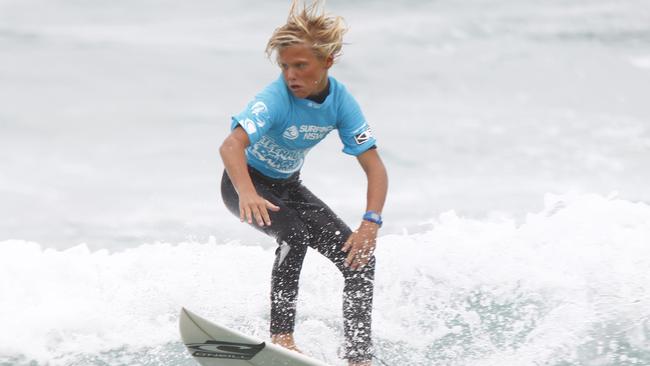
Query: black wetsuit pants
[304, 220]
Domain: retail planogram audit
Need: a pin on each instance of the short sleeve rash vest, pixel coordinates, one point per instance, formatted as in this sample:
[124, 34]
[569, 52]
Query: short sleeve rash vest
[283, 128]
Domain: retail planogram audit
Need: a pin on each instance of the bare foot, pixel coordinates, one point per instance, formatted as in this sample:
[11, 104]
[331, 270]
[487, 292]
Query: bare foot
[285, 340]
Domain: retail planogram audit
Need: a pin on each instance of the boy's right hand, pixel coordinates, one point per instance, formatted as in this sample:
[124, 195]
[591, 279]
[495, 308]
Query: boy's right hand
[252, 205]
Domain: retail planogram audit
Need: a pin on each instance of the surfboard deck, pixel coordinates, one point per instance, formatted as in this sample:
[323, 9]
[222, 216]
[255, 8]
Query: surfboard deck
[212, 344]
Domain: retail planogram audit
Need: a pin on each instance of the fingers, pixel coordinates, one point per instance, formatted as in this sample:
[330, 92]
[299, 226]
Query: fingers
[348, 244]
[271, 206]
[359, 250]
[265, 218]
[349, 260]
[245, 214]
[258, 215]
[358, 260]
[352, 248]
[256, 209]
[265, 213]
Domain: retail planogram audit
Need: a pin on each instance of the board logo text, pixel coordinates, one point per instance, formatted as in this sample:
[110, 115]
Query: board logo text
[229, 350]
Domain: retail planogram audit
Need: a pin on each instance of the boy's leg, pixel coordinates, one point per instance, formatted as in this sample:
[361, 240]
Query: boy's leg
[293, 238]
[328, 234]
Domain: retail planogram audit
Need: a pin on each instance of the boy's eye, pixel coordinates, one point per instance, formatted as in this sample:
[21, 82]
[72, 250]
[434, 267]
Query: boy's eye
[301, 65]
[284, 66]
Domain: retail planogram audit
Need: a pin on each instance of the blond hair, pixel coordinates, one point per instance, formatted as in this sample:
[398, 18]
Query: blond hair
[311, 26]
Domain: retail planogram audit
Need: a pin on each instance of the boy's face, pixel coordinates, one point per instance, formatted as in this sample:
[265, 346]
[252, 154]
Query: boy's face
[304, 73]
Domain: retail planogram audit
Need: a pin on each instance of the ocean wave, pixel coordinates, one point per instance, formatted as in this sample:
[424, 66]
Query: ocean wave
[569, 285]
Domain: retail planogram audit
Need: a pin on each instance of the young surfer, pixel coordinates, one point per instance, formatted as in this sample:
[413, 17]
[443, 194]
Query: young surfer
[261, 184]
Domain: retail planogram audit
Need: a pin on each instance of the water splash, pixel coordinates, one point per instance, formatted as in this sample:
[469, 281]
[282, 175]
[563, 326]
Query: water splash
[568, 286]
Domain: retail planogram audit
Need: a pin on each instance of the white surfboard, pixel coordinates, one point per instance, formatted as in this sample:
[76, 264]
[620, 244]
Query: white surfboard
[215, 345]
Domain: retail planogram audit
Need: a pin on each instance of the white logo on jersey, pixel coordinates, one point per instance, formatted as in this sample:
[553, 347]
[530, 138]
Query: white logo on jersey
[311, 132]
[291, 133]
[276, 157]
[249, 126]
[363, 136]
[257, 109]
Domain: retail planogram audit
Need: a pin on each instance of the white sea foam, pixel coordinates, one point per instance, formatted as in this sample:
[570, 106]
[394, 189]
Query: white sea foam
[569, 284]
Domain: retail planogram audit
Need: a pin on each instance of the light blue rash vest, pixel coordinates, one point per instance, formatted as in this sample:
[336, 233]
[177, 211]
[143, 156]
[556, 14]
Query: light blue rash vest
[283, 128]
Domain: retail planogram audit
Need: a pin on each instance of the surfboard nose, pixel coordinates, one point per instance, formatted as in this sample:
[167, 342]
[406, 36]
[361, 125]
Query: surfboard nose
[212, 344]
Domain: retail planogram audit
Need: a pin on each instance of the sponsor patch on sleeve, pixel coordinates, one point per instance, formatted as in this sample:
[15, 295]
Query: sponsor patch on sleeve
[260, 113]
[363, 137]
[248, 125]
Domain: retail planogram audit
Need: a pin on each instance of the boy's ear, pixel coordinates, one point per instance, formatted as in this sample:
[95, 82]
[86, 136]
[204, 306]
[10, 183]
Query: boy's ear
[329, 61]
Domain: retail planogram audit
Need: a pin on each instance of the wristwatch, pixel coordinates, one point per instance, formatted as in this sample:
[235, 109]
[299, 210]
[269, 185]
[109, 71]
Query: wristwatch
[372, 216]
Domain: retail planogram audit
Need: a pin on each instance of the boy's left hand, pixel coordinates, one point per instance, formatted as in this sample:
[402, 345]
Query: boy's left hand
[361, 244]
